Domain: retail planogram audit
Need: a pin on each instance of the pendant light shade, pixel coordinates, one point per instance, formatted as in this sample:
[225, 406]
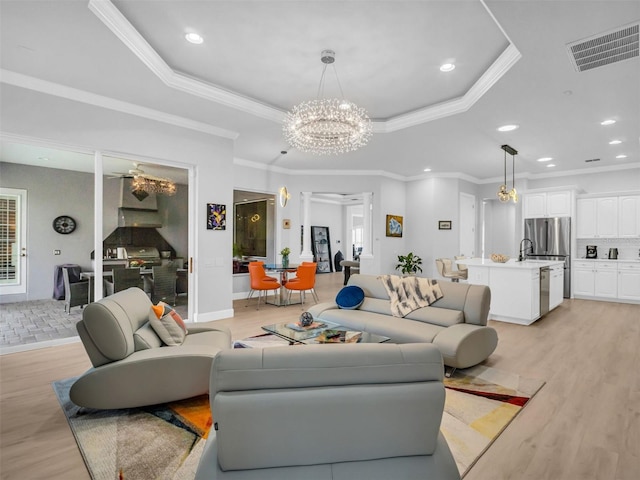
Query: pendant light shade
[504, 195]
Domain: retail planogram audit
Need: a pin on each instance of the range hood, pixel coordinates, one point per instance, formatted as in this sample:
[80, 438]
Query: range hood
[137, 211]
[131, 217]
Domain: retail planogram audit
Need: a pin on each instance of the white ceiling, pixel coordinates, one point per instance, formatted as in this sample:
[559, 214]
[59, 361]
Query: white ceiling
[261, 58]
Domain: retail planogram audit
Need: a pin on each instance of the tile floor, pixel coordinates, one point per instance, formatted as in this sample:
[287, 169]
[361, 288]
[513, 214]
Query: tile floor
[24, 323]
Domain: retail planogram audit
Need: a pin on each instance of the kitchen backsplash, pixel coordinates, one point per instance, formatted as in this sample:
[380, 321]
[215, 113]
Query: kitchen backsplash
[628, 248]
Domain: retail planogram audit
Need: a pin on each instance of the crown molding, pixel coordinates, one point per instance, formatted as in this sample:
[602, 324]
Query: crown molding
[82, 96]
[108, 13]
[122, 28]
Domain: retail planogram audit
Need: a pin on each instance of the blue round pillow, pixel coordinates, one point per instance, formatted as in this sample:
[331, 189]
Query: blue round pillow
[350, 297]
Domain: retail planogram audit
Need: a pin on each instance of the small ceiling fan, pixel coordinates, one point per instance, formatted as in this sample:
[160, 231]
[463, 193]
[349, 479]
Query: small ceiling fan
[136, 171]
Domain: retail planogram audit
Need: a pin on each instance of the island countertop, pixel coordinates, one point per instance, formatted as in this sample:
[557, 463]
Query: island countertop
[512, 263]
[516, 287]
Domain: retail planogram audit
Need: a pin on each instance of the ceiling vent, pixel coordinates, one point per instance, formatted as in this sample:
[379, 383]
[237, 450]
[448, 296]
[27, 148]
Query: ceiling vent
[603, 49]
[592, 160]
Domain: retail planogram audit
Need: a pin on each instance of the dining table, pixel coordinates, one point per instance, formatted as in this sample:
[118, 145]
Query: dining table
[280, 298]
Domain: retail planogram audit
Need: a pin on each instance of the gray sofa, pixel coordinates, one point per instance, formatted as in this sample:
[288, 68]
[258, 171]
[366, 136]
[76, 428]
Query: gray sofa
[456, 323]
[131, 366]
[365, 411]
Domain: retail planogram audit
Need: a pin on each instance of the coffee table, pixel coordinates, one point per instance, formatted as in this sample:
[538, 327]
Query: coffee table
[309, 336]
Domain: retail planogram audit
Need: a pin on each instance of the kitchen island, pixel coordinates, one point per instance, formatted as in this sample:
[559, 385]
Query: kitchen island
[516, 287]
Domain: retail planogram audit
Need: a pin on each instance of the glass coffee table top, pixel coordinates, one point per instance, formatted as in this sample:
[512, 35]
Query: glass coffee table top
[309, 335]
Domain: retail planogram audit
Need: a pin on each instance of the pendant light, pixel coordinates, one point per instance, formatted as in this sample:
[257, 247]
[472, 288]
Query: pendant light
[505, 195]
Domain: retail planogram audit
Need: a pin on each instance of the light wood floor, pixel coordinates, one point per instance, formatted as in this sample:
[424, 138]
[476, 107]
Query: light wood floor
[583, 424]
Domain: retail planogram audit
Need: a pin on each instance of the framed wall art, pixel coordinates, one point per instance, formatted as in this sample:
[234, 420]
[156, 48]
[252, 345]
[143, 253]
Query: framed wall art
[444, 225]
[394, 226]
[216, 216]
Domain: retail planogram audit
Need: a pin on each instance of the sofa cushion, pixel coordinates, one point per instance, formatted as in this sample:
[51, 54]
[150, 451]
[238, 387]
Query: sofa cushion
[168, 324]
[146, 337]
[438, 316]
[350, 297]
[372, 286]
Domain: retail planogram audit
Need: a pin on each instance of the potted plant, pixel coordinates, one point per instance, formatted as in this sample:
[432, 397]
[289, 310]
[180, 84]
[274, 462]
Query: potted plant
[409, 264]
[237, 251]
[285, 256]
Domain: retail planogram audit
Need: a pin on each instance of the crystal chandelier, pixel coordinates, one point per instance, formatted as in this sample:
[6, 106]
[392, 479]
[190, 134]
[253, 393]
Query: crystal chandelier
[505, 195]
[143, 185]
[327, 125]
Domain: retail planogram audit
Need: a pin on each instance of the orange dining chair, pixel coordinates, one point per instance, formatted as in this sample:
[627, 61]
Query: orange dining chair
[259, 283]
[265, 277]
[304, 280]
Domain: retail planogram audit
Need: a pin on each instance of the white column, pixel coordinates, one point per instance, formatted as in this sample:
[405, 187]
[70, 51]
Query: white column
[366, 223]
[307, 254]
[366, 257]
[97, 224]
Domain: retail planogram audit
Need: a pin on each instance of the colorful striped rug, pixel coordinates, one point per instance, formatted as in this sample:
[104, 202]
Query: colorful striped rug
[166, 441]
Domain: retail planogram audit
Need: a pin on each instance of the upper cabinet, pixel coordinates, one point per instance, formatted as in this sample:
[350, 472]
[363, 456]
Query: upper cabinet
[547, 204]
[629, 216]
[597, 217]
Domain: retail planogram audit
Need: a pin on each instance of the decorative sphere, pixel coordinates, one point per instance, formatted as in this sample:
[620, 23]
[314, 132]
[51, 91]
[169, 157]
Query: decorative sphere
[306, 319]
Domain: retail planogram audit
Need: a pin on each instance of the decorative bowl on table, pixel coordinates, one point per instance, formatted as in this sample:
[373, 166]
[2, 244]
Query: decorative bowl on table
[499, 258]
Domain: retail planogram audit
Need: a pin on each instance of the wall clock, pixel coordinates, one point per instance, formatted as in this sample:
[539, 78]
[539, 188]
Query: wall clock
[64, 224]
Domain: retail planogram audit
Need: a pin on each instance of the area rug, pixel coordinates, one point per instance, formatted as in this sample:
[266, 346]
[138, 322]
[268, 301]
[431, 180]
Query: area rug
[166, 441]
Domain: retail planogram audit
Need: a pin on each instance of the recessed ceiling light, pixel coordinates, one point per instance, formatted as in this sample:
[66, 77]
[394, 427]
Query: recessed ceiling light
[545, 159]
[608, 122]
[194, 38]
[550, 165]
[427, 170]
[615, 142]
[621, 156]
[508, 128]
[447, 67]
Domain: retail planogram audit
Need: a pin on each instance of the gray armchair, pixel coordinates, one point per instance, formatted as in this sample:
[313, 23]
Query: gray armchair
[162, 284]
[131, 365]
[76, 291]
[338, 412]
[123, 278]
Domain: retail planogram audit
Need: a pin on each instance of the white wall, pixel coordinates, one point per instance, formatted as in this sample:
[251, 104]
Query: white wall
[47, 118]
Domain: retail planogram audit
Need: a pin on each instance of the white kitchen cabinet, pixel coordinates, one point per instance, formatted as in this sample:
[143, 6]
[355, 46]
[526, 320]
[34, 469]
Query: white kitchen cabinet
[584, 275]
[606, 280]
[629, 281]
[629, 216]
[556, 286]
[547, 204]
[595, 279]
[597, 217]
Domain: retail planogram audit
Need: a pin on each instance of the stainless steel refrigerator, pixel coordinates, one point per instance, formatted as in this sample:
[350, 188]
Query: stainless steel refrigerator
[551, 238]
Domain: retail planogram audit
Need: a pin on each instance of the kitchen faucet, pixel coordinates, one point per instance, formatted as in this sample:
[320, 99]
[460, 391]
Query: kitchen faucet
[523, 252]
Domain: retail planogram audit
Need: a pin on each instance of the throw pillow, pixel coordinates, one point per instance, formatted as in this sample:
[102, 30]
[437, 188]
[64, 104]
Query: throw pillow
[350, 297]
[168, 324]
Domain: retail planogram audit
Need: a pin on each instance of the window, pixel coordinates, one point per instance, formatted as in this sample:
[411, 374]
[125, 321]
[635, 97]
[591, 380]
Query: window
[250, 228]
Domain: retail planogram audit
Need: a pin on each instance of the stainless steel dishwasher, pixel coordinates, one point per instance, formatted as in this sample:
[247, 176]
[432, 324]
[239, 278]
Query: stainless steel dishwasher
[545, 275]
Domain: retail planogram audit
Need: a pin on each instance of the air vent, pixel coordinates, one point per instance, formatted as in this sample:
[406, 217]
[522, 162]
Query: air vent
[603, 49]
[592, 160]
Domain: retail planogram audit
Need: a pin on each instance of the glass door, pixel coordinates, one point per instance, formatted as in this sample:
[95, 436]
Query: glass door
[13, 254]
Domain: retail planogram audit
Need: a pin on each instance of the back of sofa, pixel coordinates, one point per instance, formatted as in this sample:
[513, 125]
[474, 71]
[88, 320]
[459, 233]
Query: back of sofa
[472, 300]
[372, 401]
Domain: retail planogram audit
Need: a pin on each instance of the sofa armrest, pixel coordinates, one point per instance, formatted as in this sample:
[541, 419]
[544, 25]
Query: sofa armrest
[464, 345]
[318, 308]
[193, 327]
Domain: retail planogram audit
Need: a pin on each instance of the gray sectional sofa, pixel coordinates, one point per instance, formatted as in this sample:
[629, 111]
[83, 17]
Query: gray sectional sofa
[456, 323]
